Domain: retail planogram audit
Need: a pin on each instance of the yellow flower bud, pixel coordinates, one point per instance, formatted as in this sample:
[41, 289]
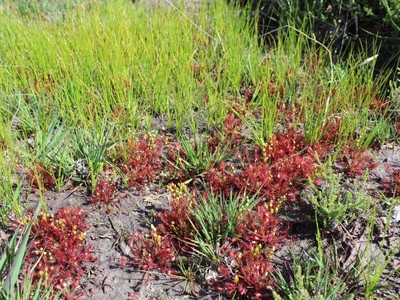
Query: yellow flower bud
[236, 279]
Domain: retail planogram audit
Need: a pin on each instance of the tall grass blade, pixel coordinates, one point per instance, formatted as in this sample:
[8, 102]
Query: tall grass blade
[12, 276]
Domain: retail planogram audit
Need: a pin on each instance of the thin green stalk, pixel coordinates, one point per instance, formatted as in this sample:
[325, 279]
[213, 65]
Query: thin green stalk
[17, 258]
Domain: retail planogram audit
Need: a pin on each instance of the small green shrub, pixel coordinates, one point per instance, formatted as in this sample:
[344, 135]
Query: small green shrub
[331, 271]
[317, 275]
[334, 200]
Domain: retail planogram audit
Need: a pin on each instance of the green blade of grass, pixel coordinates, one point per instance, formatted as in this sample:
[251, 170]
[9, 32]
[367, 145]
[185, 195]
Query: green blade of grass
[12, 276]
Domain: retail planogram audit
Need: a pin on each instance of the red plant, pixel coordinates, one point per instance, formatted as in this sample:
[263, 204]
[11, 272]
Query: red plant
[246, 269]
[397, 128]
[142, 161]
[391, 186]
[58, 249]
[231, 133]
[354, 162]
[177, 157]
[261, 226]
[275, 171]
[273, 87]
[284, 145]
[3, 144]
[246, 273]
[221, 179]
[396, 182]
[247, 92]
[330, 130]
[179, 221]
[255, 178]
[376, 104]
[154, 252]
[287, 113]
[104, 193]
[159, 250]
[41, 177]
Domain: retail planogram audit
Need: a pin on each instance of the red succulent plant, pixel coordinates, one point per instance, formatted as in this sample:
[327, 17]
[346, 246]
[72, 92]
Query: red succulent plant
[141, 163]
[104, 194]
[58, 249]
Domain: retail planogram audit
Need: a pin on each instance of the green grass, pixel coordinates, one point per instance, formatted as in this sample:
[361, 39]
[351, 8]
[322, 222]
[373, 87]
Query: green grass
[11, 262]
[218, 218]
[101, 61]
[196, 157]
[325, 273]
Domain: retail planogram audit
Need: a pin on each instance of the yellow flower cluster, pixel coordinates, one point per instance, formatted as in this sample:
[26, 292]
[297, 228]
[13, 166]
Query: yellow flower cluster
[274, 206]
[61, 223]
[48, 255]
[25, 220]
[257, 250]
[156, 237]
[177, 191]
[44, 216]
